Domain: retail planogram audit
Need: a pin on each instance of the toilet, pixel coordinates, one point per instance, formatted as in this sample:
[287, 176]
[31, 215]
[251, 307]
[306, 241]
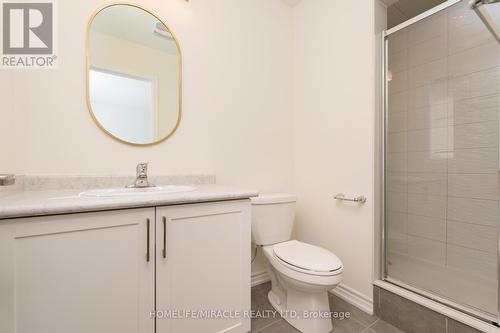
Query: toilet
[301, 274]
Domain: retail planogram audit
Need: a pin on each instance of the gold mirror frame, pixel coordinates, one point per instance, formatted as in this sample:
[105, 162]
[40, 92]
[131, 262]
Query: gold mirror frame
[87, 73]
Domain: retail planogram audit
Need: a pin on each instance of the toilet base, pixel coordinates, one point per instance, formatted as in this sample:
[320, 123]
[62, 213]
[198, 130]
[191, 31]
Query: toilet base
[302, 310]
[303, 302]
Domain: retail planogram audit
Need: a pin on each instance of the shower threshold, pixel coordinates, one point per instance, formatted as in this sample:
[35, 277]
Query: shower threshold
[475, 319]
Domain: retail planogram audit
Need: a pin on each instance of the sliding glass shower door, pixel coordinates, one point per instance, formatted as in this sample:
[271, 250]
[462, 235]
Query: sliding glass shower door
[442, 159]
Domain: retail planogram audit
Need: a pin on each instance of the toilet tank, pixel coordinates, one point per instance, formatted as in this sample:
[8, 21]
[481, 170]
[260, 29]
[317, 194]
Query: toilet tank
[273, 216]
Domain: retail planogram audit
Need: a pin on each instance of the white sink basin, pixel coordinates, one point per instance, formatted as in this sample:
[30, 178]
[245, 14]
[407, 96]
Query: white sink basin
[125, 192]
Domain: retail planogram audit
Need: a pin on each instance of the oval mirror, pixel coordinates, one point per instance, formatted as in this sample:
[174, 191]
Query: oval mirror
[133, 75]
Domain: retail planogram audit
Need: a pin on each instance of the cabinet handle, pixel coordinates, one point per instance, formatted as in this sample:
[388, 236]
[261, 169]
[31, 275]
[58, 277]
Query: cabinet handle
[148, 222]
[164, 237]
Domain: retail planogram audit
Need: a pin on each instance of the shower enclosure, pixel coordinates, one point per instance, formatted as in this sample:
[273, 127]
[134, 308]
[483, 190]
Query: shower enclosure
[441, 165]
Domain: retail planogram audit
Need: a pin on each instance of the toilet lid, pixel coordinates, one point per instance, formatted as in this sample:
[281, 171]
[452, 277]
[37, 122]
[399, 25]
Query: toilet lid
[307, 256]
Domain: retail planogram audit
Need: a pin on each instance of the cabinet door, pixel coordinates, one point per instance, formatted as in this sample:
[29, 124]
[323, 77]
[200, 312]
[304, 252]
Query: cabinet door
[203, 264]
[77, 273]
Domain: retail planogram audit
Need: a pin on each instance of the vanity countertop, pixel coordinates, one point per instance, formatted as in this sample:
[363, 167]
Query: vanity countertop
[52, 202]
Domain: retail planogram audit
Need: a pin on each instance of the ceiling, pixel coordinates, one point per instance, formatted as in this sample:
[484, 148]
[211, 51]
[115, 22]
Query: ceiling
[291, 3]
[399, 11]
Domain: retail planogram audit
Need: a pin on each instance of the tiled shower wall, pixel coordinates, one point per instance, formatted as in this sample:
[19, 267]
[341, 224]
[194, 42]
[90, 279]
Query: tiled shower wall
[442, 150]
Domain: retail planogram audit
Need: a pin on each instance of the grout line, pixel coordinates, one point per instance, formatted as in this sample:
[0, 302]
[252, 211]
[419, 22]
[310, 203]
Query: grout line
[452, 98]
[268, 325]
[447, 126]
[487, 69]
[443, 197]
[472, 223]
[474, 173]
[440, 173]
[448, 53]
[442, 127]
[449, 77]
[459, 99]
[376, 321]
[447, 174]
[407, 189]
[442, 151]
[446, 76]
[483, 199]
[349, 309]
[359, 322]
[454, 244]
[451, 220]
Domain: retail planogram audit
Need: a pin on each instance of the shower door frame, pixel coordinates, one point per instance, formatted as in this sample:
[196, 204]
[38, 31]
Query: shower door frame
[385, 114]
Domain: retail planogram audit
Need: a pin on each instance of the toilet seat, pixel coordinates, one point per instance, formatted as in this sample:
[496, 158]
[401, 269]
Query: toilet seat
[298, 274]
[307, 258]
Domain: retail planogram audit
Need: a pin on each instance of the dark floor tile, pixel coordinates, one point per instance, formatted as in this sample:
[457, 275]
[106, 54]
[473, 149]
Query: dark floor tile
[258, 323]
[381, 326]
[339, 305]
[259, 301]
[262, 289]
[347, 326]
[268, 321]
[264, 314]
[457, 327]
[280, 326]
[408, 316]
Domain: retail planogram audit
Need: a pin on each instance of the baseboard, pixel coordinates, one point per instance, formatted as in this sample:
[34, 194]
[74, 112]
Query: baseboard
[259, 278]
[354, 297]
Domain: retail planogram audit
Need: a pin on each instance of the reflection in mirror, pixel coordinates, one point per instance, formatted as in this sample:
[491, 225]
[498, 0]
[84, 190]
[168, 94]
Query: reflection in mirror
[133, 75]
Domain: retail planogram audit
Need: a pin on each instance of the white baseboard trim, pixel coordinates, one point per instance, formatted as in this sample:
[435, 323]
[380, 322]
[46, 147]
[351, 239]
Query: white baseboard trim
[259, 278]
[354, 297]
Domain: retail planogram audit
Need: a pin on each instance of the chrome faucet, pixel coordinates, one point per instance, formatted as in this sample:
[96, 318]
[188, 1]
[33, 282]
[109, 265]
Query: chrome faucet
[141, 179]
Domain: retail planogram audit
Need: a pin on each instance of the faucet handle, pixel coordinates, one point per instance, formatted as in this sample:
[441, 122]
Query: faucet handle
[142, 169]
[141, 179]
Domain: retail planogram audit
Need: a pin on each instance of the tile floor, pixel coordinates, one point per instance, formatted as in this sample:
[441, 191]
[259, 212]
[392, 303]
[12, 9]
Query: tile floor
[358, 322]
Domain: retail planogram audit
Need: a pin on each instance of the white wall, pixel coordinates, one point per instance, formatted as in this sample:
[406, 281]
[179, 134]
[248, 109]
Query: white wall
[239, 70]
[334, 130]
[7, 140]
[237, 87]
[7, 132]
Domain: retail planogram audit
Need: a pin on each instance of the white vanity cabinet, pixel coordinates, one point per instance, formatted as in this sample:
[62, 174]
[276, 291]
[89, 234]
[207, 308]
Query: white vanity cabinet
[203, 264]
[77, 273]
[103, 272]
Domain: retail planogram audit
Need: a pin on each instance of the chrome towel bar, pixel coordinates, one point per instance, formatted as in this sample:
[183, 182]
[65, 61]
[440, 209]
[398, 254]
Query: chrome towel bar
[343, 197]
